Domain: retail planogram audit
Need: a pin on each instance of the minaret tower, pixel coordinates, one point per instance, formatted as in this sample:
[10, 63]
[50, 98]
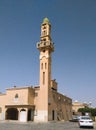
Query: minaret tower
[45, 47]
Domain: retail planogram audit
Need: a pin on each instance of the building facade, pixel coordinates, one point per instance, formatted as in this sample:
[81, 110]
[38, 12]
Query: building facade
[76, 105]
[39, 103]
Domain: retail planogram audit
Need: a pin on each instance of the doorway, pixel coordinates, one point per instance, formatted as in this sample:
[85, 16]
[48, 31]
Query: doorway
[12, 114]
[53, 115]
[30, 115]
[23, 115]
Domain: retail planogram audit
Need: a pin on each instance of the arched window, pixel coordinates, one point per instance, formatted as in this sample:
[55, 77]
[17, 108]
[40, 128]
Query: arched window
[16, 96]
[22, 110]
[43, 77]
[41, 65]
[45, 65]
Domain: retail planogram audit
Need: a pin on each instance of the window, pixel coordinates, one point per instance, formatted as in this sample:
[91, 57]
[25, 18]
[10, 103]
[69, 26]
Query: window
[45, 65]
[41, 65]
[44, 51]
[44, 43]
[16, 96]
[44, 27]
[44, 33]
[43, 77]
[44, 39]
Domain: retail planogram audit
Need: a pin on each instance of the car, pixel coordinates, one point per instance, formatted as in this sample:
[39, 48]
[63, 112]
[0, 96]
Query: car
[75, 118]
[85, 121]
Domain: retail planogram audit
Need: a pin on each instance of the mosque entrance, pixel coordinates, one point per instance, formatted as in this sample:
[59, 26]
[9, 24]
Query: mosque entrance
[11, 114]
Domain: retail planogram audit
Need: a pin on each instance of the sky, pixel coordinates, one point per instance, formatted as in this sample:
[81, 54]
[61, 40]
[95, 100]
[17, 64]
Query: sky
[73, 32]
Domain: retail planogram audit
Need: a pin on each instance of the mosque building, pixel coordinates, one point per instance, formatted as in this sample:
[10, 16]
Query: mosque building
[40, 103]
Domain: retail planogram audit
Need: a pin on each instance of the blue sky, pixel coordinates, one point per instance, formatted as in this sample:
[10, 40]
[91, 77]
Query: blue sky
[73, 32]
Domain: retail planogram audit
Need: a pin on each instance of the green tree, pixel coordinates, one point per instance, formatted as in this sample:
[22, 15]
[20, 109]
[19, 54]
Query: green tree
[92, 111]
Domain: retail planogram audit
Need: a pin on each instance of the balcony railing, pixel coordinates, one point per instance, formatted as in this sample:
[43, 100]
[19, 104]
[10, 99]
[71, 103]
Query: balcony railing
[43, 44]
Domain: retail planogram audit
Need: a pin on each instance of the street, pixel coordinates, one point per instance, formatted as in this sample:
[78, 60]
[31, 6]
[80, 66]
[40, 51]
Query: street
[41, 126]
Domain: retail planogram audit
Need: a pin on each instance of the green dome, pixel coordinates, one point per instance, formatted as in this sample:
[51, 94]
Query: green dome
[45, 20]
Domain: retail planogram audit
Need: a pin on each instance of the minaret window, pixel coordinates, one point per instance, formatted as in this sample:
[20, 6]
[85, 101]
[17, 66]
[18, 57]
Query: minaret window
[44, 39]
[42, 66]
[44, 51]
[44, 32]
[44, 27]
[43, 77]
[45, 65]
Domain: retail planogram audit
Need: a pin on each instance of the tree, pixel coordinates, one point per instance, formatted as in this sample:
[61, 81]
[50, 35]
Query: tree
[92, 111]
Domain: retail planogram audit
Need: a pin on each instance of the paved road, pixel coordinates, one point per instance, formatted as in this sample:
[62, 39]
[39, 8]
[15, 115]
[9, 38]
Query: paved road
[40, 126]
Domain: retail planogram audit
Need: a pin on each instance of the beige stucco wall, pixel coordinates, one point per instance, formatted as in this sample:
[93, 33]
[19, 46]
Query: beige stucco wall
[2, 106]
[76, 105]
[61, 105]
[8, 100]
[22, 96]
[31, 94]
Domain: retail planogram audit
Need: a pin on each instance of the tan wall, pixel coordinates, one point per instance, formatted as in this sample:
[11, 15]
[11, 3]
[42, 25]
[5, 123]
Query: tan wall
[22, 96]
[76, 105]
[54, 84]
[9, 100]
[62, 106]
[2, 106]
[2, 99]
[31, 94]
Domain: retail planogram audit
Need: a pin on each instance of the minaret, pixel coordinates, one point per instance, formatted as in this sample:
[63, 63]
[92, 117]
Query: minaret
[45, 47]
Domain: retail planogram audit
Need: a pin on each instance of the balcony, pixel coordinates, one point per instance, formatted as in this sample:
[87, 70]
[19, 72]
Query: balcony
[45, 44]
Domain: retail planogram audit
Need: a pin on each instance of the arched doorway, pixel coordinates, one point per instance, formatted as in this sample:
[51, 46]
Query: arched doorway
[12, 114]
[23, 115]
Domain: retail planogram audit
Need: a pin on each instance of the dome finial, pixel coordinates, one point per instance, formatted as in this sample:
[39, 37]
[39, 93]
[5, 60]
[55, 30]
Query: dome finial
[46, 20]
